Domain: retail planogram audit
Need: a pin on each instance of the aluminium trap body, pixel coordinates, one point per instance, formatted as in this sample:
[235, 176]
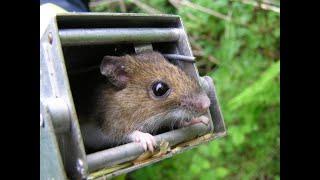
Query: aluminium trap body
[73, 44]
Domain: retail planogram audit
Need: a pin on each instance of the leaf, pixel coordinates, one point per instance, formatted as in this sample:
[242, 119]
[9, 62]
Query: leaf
[108, 170]
[258, 87]
[221, 172]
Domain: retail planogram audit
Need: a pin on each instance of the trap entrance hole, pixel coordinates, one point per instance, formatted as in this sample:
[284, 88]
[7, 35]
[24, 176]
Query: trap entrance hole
[83, 62]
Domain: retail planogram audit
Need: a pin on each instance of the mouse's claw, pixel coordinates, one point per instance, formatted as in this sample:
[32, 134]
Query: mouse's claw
[147, 141]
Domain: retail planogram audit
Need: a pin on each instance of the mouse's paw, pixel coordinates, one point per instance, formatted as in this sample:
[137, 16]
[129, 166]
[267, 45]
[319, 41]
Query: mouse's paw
[201, 119]
[147, 141]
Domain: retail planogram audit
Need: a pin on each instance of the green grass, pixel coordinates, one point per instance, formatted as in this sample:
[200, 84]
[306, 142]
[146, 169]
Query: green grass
[242, 56]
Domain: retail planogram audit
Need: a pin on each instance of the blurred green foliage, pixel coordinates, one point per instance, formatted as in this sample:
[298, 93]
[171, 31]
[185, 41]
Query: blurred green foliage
[242, 56]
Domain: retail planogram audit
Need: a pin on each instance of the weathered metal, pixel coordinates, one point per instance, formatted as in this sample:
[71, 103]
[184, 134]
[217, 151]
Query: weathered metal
[118, 35]
[51, 166]
[180, 57]
[76, 42]
[154, 160]
[59, 111]
[55, 88]
[131, 151]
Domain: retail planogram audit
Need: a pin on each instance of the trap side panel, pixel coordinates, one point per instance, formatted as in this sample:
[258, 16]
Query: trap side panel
[54, 85]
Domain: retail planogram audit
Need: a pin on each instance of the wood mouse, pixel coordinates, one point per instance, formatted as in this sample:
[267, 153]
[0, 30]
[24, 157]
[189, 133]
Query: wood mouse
[139, 96]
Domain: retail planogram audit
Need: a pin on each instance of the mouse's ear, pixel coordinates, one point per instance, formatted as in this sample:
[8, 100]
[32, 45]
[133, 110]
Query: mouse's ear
[113, 68]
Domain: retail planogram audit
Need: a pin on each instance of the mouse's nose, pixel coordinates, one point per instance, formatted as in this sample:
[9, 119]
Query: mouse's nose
[199, 103]
[202, 103]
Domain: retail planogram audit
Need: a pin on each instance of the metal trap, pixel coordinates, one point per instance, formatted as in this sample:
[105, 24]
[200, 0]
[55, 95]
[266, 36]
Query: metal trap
[74, 44]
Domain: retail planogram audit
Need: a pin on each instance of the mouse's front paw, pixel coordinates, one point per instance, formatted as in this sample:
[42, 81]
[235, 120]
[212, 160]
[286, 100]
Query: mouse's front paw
[147, 141]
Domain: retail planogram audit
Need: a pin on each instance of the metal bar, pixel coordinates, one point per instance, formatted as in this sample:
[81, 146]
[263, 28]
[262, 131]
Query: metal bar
[131, 151]
[59, 111]
[70, 37]
[180, 57]
[170, 154]
[215, 111]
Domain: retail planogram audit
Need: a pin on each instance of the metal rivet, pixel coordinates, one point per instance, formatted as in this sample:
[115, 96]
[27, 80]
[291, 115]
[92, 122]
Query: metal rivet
[50, 38]
[41, 121]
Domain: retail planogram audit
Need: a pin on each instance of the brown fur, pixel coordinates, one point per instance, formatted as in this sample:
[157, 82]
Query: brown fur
[123, 111]
[124, 101]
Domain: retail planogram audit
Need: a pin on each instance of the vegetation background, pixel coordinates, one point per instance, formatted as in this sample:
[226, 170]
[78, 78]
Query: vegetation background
[237, 43]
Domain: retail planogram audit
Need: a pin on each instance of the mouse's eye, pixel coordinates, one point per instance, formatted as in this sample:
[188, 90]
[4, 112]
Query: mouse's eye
[160, 89]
